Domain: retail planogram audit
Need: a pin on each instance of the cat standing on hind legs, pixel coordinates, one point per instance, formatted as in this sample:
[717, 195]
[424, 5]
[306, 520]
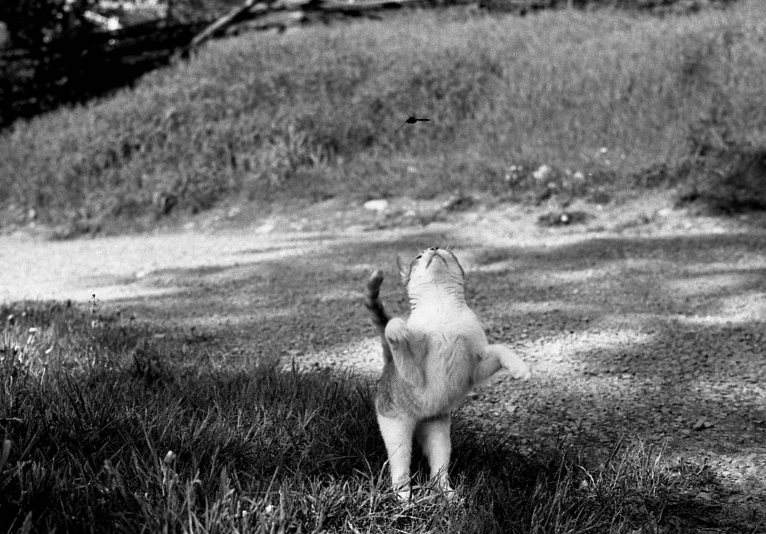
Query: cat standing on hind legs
[432, 360]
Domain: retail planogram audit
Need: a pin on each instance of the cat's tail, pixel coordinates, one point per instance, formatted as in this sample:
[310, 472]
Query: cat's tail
[375, 306]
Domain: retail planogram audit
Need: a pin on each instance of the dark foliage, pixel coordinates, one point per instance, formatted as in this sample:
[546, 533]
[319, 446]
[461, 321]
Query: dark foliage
[726, 179]
[34, 24]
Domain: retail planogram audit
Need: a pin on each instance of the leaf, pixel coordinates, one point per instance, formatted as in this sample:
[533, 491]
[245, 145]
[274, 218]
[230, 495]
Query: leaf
[702, 424]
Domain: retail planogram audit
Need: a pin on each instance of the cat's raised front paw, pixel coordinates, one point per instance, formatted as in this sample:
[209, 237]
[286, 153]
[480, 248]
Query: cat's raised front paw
[517, 368]
[396, 331]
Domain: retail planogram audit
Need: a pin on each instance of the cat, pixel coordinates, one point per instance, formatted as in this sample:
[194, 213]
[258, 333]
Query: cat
[432, 360]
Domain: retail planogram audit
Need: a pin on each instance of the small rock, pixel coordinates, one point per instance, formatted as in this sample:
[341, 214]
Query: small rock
[265, 228]
[543, 172]
[233, 212]
[564, 218]
[379, 205]
[664, 212]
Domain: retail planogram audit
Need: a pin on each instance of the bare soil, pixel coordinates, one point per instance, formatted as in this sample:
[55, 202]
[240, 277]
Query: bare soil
[641, 321]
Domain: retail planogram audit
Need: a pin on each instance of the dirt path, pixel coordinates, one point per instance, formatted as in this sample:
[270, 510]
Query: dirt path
[642, 322]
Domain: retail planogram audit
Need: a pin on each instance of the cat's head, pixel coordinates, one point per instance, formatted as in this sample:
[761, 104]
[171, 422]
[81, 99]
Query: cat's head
[432, 267]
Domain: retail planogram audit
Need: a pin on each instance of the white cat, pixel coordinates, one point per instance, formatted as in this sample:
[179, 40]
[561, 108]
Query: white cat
[432, 360]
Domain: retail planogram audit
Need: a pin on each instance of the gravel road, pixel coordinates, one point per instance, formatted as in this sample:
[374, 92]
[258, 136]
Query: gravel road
[643, 322]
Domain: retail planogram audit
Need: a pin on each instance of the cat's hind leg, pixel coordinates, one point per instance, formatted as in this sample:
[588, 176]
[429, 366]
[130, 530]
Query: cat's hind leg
[397, 435]
[434, 438]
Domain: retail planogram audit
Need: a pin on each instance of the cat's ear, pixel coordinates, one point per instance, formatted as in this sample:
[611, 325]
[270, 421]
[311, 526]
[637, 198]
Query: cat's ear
[405, 268]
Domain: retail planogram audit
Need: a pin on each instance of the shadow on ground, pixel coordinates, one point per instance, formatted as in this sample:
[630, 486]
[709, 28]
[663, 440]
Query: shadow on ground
[660, 338]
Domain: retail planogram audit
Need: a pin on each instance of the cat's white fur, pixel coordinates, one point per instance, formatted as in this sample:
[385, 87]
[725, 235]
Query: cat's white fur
[439, 353]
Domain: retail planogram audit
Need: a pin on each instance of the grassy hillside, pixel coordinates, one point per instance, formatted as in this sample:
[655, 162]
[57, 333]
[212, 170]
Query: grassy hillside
[625, 99]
